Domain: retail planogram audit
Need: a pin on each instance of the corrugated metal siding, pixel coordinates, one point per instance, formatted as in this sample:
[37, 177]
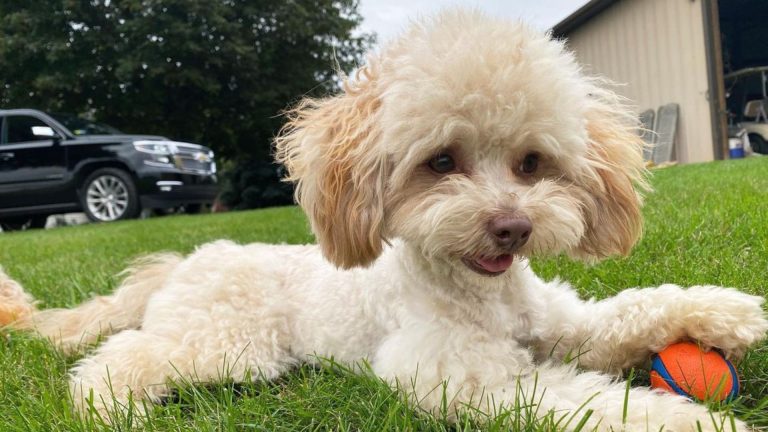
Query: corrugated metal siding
[656, 48]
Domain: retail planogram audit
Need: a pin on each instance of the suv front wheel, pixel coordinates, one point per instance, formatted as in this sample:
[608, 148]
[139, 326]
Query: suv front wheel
[109, 194]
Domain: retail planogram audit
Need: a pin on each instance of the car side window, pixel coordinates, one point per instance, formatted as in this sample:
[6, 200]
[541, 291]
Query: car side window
[21, 129]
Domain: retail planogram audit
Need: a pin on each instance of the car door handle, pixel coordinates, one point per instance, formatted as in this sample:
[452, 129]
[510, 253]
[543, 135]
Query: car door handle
[7, 155]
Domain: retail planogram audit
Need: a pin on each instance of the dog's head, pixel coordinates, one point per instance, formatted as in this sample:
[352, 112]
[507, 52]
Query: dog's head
[474, 140]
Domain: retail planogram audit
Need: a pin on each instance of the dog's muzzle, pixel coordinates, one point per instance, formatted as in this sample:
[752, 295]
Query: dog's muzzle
[509, 233]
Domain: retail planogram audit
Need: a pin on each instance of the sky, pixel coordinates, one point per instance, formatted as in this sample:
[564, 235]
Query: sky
[388, 17]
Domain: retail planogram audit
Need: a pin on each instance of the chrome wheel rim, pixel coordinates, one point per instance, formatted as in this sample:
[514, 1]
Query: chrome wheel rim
[107, 198]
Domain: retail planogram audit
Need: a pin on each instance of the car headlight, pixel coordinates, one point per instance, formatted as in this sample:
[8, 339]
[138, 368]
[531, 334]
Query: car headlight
[160, 152]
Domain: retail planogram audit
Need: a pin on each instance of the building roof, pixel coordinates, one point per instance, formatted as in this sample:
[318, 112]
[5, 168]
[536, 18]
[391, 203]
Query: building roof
[582, 15]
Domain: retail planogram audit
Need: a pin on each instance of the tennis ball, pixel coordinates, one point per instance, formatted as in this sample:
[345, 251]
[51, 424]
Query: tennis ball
[687, 370]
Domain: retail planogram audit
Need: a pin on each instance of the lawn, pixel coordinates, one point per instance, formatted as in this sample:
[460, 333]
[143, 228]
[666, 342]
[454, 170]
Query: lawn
[705, 224]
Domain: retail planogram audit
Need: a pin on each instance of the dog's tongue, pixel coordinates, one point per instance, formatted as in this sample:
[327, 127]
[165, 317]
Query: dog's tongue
[495, 265]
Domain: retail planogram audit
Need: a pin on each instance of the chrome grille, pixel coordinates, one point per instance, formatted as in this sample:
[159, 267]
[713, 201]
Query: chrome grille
[191, 164]
[194, 159]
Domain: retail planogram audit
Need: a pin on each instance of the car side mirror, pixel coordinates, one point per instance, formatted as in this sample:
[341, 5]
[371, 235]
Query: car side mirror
[46, 132]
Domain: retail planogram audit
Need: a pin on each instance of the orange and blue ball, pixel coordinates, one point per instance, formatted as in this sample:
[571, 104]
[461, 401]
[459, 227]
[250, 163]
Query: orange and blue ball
[687, 370]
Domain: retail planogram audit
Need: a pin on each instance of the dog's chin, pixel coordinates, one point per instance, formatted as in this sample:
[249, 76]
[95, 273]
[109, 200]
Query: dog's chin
[489, 266]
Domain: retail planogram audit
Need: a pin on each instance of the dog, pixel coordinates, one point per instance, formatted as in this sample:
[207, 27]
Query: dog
[455, 154]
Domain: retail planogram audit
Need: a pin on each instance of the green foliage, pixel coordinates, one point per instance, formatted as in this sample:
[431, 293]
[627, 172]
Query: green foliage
[217, 72]
[255, 184]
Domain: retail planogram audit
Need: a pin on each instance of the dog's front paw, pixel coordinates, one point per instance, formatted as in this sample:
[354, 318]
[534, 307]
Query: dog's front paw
[724, 318]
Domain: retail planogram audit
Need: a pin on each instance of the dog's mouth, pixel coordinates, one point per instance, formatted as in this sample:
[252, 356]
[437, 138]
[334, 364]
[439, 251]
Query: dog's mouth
[489, 266]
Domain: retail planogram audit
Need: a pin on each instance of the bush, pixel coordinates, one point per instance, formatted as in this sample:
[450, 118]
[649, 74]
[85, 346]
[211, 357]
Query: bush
[255, 184]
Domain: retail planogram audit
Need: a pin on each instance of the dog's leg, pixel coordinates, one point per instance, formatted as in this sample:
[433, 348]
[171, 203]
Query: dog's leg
[137, 365]
[621, 332]
[569, 396]
[132, 364]
[70, 329]
[447, 369]
[443, 366]
[195, 341]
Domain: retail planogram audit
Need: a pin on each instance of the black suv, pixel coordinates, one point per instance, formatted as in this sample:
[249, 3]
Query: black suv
[59, 163]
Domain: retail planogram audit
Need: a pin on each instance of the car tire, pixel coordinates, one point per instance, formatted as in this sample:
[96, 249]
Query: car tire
[758, 143]
[109, 194]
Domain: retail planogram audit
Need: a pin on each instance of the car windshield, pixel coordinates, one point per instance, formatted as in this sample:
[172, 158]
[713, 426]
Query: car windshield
[79, 126]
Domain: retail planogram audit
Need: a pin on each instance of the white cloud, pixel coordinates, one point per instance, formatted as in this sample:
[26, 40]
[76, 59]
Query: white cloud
[388, 17]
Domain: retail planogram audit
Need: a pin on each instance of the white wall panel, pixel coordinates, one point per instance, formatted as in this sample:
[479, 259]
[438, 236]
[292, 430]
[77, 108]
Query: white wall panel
[655, 49]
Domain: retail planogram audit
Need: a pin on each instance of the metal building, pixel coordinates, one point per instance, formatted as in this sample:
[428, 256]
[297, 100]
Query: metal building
[675, 51]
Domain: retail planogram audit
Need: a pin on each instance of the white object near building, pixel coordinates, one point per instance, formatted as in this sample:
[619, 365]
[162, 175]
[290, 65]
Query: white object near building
[673, 51]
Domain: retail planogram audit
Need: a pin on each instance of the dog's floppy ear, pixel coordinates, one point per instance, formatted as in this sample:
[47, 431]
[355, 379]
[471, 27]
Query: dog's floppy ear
[329, 149]
[613, 217]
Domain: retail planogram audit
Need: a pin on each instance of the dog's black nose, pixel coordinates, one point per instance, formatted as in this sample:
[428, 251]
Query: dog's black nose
[510, 232]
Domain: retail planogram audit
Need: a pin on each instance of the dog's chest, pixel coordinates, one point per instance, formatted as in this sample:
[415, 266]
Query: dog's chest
[509, 320]
[496, 316]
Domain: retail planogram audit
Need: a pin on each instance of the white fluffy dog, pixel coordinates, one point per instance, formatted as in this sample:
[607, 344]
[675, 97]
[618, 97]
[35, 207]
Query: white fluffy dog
[461, 149]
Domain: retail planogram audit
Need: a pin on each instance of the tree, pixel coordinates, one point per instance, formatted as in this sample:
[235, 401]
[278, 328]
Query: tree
[217, 72]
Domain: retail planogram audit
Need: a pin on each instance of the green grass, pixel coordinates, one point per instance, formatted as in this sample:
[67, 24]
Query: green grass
[705, 224]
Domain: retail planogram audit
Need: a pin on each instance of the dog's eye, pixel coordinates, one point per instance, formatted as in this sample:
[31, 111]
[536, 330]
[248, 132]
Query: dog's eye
[442, 164]
[530, 164]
